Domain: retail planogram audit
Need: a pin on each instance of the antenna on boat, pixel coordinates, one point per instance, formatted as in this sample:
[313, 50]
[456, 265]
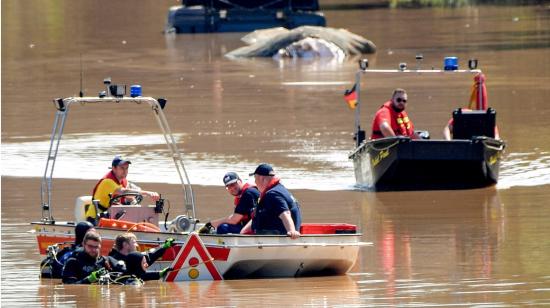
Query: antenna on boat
[359, 133]
[81, 93]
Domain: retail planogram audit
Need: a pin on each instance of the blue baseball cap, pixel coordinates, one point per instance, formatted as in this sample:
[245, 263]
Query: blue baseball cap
[230, 178]
[118, 160]
[263, 169]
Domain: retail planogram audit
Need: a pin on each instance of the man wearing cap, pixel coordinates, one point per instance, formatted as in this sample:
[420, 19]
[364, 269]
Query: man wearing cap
[277, 211]
[246, 196]
[112, 184]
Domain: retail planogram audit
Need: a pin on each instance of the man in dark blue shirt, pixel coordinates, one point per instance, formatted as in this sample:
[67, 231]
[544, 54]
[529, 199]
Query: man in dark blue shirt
[246, 196]
[277, 211]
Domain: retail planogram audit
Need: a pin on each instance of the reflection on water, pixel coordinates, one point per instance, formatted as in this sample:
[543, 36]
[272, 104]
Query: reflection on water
[471, 292]
[525, 169]
[433, 246]
[81, 156]
[266, 293]
[467, 228]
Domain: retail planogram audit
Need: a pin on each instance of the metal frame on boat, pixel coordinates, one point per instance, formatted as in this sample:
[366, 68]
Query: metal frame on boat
[63, 105]
[400, 163]
[323, 249]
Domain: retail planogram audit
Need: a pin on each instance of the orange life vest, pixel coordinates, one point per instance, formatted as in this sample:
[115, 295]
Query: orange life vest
[400, 123]
[128, 226]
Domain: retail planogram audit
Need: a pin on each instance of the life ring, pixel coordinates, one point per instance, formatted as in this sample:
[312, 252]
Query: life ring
[128, 225]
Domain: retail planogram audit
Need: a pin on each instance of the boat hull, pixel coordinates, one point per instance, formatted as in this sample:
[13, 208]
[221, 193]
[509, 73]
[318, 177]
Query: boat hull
[399, 163]
[237, 256]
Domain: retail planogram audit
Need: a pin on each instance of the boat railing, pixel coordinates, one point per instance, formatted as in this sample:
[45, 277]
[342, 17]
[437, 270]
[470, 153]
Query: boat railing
[157, 106]
[418, 71]
[378, 144]
[269, 245]
[286, 244]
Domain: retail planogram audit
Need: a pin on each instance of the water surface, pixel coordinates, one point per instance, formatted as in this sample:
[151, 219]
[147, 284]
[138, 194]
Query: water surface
[484, 247]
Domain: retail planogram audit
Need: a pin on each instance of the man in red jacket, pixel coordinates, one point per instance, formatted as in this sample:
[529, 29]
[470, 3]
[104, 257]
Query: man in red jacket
[392, 119]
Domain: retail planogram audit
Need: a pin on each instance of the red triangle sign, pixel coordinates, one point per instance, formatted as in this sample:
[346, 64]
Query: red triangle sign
[193, 262]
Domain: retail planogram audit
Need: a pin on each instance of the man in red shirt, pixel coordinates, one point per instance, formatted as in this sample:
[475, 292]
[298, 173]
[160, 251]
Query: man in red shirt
[392, 119]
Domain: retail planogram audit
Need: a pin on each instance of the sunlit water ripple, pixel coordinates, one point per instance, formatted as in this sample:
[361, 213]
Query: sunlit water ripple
[82, 156]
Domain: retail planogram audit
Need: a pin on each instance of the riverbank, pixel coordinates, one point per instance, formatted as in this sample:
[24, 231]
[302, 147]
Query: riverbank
[370, 4]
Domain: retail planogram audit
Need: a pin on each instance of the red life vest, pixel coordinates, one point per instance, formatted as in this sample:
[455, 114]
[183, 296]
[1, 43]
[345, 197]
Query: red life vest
[246, 186]
[399, 122]
[274, 181]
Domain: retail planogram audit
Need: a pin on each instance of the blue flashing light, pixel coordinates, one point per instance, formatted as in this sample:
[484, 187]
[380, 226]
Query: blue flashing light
[450, 64]
[135, 90]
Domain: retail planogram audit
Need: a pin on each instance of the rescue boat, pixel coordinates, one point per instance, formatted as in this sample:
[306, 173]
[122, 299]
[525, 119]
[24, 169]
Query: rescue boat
[470, 160]
[323, 249]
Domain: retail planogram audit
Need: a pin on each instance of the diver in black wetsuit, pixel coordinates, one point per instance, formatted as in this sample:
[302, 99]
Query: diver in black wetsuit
[86, 266]
[126, 243]
[52, 266]
[136, 270]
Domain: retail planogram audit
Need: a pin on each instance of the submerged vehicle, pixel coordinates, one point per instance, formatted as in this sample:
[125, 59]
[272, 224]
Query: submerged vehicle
[470, 160]
[323, 249]
[303, 42]
[203, 16]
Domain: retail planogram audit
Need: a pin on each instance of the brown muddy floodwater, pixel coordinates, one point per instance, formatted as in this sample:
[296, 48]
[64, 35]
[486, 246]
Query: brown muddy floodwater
[485, 247]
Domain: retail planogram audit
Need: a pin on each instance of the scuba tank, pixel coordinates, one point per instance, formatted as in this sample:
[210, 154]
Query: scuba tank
[52, 265]
[58, 254]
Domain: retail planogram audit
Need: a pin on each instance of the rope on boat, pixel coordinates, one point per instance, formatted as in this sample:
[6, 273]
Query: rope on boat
[365, 145]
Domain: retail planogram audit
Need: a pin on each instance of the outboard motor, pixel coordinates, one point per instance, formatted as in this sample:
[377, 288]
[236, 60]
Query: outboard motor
[180, 224]
[81, 205]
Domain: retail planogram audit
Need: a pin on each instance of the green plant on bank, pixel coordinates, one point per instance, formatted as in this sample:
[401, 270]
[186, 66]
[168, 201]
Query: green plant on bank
[457, 3]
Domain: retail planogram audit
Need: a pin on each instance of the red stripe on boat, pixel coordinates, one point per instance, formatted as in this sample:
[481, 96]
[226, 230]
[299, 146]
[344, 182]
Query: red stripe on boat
[219, 253]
